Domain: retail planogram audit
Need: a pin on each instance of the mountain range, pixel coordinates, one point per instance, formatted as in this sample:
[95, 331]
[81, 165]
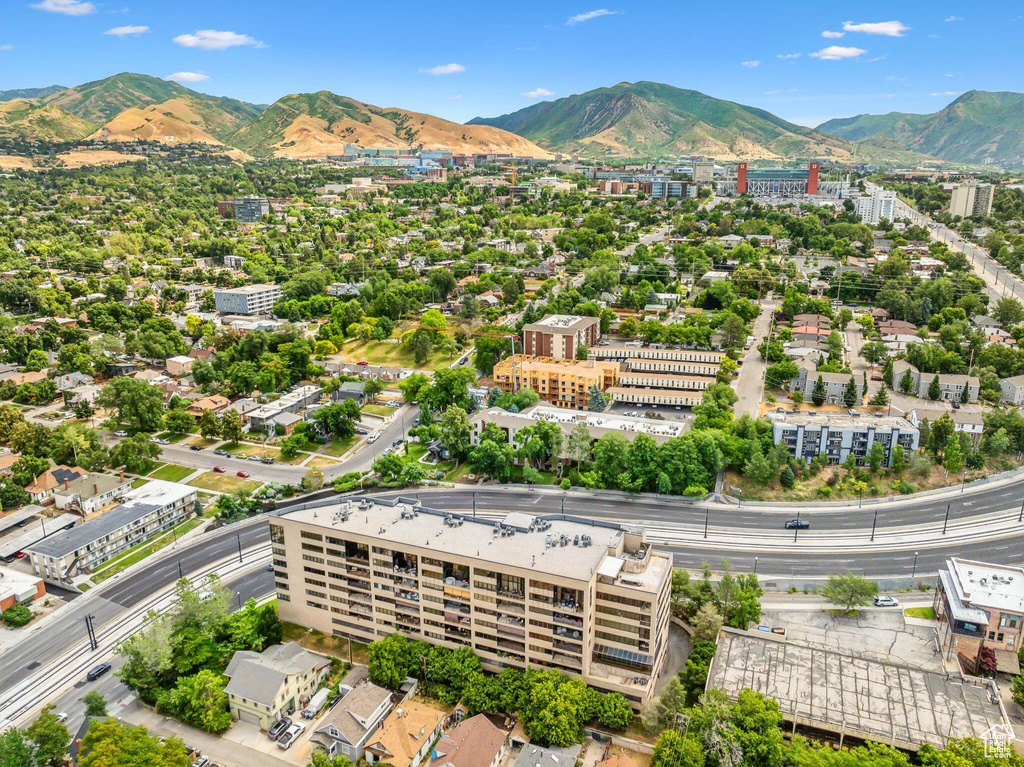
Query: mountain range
[975, 127]
[643, 120]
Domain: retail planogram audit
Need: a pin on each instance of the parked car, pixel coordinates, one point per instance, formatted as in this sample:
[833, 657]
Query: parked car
[373, 438]
[884, 600]
[797, 524]
[219, 452]
[120, 433]
[362, 363]
[289, 736]
[62, 717]
[219, 469]
[196, 447]
[202, 761]
[876, 377]
[97, 671]
[268, 459]
[254, 458]
[956, 405]
[416, 421]
[397, 442]
[243, 474]
[278, 727]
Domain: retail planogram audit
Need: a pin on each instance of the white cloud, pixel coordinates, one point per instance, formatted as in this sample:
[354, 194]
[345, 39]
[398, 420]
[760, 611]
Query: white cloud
[590, 15]
[884, 28]
[127, 30]
[890, 95]
[188, 77]
[771, 93]
[785, 56]
[537, 93]
[947, 93]
[838, 52]
[456, 97]
[750, 64]
[67, 7]
[444, 69]
[6, 47]
[949, 74]
[954, 18]
[832, 35]
[216, 40]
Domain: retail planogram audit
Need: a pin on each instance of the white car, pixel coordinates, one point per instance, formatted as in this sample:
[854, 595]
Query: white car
[884, 600]
[289, 736]
[62, 717]
[120, 434]
[373, 438]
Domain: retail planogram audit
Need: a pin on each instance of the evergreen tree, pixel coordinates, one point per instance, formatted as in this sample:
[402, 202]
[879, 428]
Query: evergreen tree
[850, 395]
[906, 383]
[953, 460]
[934, 392]
[818, 392]
[597, 401]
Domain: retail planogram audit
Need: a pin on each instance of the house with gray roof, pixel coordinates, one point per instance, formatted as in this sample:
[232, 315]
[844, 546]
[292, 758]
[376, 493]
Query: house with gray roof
[263, 687]
[349, 725]
[951, 385]
[836, 384]
[1011, 390]
[554, 756]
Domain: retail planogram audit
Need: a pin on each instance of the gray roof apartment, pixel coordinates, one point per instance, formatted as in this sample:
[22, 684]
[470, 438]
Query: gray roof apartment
[259, 676]
[537, 756]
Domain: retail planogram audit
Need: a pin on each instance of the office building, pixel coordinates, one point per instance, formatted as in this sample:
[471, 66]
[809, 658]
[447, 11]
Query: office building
[971, 199]
[145, 512]
[562, 382]
[560, 335]
[703, 171]
[872, 208]
[586, 597]
[667, 189]
[248, 299]
[806, 436]
[980, 605]
[251, 209]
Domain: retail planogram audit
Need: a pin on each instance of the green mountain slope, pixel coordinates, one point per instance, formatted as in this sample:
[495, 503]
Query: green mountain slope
[309, 125]
[41, 122]
[30, 93]
[647, 119]
[102, 100]
[977, 126]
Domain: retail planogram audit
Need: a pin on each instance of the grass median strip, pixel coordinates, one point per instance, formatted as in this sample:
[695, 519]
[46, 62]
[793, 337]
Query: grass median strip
[926, 613]
[171, 472]
[143, 550]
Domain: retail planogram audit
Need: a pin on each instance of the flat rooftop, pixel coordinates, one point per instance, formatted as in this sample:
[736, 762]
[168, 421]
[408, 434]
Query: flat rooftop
[474, 538]
[562, 322]
[246, 289]
[861, 697]
[841, 421]
[597, 423]
[997, 587]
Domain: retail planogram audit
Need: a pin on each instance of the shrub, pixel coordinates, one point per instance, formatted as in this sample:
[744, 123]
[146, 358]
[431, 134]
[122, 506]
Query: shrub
[565, 484]
[17, 616]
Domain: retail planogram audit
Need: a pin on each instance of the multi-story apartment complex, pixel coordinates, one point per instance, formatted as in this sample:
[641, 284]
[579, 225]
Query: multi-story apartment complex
[662, 380]
[679, 367]
[560, 335]
[872, 208]
[248, 299]
[294, 401]
[971, 199]
[981, 605]
[952, 386]
[808, 435]
[835, 384]
[586, 597]
[623, 353]
[251, 209]
[562, 382]
[145, 512]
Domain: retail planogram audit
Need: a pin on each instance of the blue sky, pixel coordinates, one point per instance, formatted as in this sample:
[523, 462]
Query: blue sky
[804, 61]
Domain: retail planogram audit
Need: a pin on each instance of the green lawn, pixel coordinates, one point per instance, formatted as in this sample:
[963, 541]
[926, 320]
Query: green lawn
[143, 550]
[171, 472]
[341, 446]
[378, 410]
[379, 353]
[224, 483]
[927, 613]
[138, 482]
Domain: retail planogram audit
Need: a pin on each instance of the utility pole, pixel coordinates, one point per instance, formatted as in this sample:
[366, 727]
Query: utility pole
[707, 512]
[180, 573]
[945, 522]
[239, 539]
[91, 631]
[874, 523]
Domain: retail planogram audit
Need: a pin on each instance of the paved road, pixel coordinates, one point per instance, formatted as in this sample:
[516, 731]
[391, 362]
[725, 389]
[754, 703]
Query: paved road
[205, 459]
[749, 384]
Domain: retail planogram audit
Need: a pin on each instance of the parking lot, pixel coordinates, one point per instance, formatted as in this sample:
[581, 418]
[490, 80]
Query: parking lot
[668, 412]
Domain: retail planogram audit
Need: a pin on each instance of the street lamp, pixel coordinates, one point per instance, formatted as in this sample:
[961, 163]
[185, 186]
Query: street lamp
[874, 523]
[755, 565]
[238, 597]
[913, 572]
[945, 522]
[707, 512]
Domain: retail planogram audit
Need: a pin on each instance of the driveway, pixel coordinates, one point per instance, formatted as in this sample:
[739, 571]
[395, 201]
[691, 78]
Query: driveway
[749, 385]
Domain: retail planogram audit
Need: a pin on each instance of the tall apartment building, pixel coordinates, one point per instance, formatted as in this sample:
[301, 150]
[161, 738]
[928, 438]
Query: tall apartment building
[585, 597]
[560, 335]
[808, 435]
[248, 299]
[971, 199]
[562, 382]
[251, 210]
[872, 208]
[145, 512]
[703, 171]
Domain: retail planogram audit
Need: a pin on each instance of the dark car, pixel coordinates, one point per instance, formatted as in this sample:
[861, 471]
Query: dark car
[97, 672]
[195, 447]
[797, 524]
[397, 442]
[278, 727]
[268, 459]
